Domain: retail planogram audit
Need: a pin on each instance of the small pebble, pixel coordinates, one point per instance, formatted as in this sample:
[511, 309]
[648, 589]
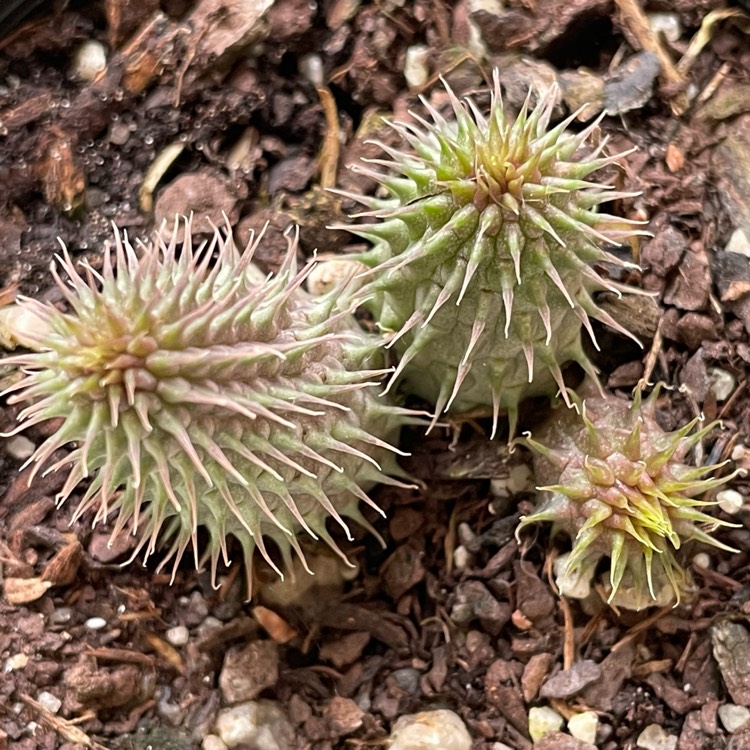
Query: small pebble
[209, 625]
[575, 585]
[654, 737]
[328, 274]
[462, 558]
[441, 730]
[311, 68]
[583, 726]
[212, 742]
[89, 60]
[730, 501]
[61, 615]
[262, 725]
[738, 243]
[667, 24]
[702, 560]
[543, 720]
[51, 702]
[19, 447]
[95, 623]
[722, 383]
[738, 452]
[406, 679]
[733, 717]
[178, 636]
[17, 661]
[416, 71]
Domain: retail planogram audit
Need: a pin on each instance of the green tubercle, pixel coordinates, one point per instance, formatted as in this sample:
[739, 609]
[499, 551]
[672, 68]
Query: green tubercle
[617, 485]
[197, 392]
[480, 275]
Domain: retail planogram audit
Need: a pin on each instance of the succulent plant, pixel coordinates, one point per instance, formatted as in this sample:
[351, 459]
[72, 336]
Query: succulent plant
[481, 274]
[199, 393]
[619, 487]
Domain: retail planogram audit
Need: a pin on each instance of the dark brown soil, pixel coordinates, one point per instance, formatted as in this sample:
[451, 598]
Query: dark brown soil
[420, 625]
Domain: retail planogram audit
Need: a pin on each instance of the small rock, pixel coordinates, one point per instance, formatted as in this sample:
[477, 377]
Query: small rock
[89, 60]
[583, 89]
[654, 737]
[95, 623]
[212, 742]
[702, 560]
[311, 68]
[738, 243]
[462, 558]
[733, 717]
[178, 636]
[19, 447]
[406, 679]
[328, 274]
[667, 24]
[344, 716]
[416, 71]
[474, 601]
[583, 726]
[722, 383]
[49, 701]
[561, 741]
[571, 681]
[631, 84]
[441, 730]
[249, 670]
[61, 616]
[204, 194]
[577, 583]
[256, 725]
[543, 720]
[17, 661]
[730, 501]
[346, 650]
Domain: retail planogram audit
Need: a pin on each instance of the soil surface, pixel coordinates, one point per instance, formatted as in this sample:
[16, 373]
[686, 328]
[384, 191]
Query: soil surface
[252, 110]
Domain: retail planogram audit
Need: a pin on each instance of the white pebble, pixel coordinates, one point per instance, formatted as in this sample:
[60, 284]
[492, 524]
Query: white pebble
[20, 447]
[722, 383]
[738, 243]
[702, 560]
[17, 661]
[212, 742]
[730, 501]
[667, 24]
[542, 721]
[573, 585]
[328, 274]
[583, 726]
[95, 623]
[260, 724]
[178, 636]
[733, 717]
[61, 615]
[311, 68]
[51, 702]
[738, 452]
[89, 60]
[654, 737]
[441, 730]
[416, 71]
[462, 558]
